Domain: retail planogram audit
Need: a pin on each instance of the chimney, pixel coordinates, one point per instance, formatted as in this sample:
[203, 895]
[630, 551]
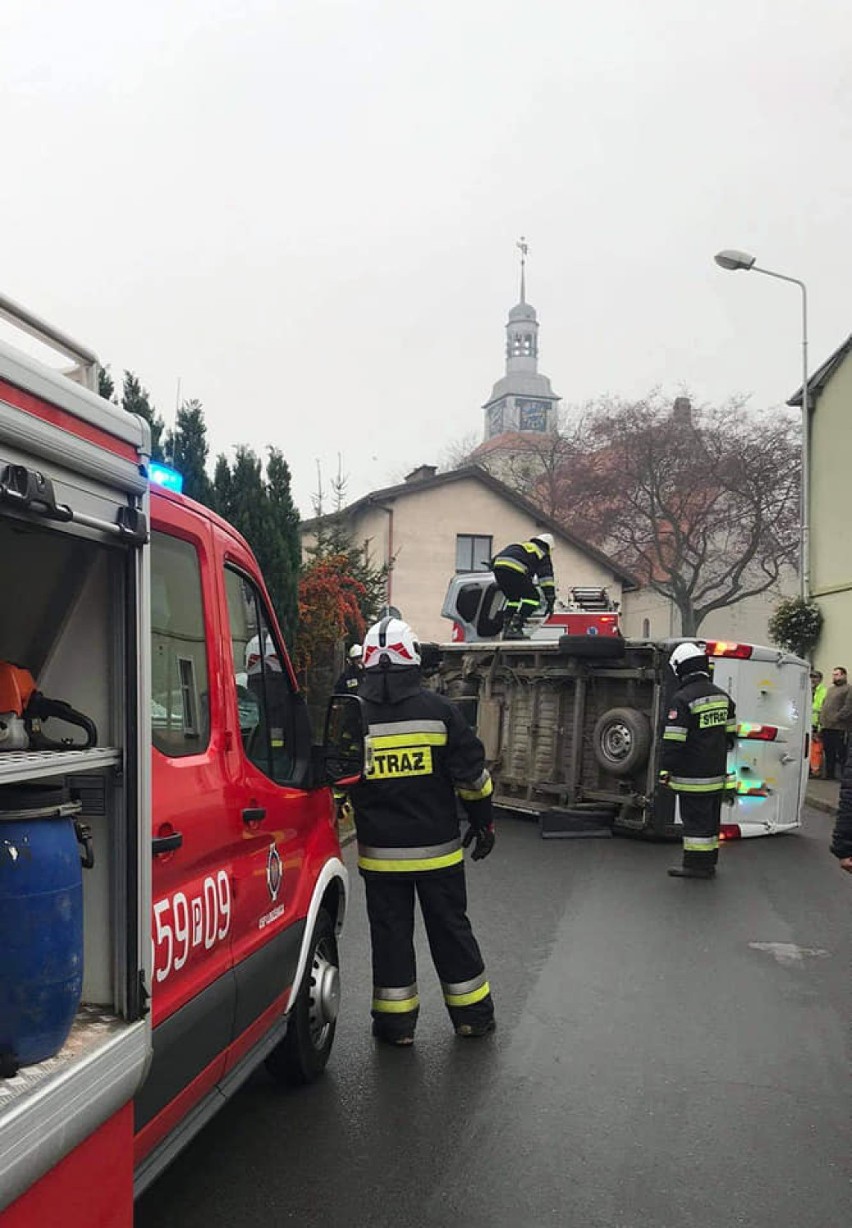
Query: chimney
[682, 411]
[422, 473]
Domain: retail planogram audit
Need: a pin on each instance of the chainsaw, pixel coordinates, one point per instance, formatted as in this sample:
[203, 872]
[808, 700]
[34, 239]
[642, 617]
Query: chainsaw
[24, 710]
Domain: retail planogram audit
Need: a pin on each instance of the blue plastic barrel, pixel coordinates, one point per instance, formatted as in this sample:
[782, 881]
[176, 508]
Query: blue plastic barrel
[41, 923]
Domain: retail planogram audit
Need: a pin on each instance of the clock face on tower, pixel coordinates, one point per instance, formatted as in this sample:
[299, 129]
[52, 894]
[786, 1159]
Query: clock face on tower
[495, 418]
[532, 415]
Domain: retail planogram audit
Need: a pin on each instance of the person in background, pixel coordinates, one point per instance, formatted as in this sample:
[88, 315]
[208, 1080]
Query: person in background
[841, 840]
[835, 720]
[818, 692]
[350, 679]
[517, 569]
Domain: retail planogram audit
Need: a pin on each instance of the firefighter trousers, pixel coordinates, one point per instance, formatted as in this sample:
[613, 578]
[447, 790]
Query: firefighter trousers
[701, 814]
[521, 594]
[455, 952]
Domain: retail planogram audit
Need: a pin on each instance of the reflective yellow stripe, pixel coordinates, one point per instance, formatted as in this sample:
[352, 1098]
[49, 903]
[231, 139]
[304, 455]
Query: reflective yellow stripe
[511, 564]
[700, 844]
[671, 736]
[385, 741]
[682, 788]
[467, 999]
[400, 1007]
[476, 795]
[425, 863]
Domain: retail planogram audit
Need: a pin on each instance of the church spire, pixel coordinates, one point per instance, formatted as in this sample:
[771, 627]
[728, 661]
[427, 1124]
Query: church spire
[524, 248]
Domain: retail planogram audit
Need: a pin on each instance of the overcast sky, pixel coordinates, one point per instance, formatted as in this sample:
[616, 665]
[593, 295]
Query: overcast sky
[306, 210]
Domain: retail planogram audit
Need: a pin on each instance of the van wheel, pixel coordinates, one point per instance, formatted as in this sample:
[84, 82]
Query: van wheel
[302, 1055]
[622, 740]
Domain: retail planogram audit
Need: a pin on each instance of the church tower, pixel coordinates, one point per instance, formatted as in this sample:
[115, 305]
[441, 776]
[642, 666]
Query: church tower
[523, 399]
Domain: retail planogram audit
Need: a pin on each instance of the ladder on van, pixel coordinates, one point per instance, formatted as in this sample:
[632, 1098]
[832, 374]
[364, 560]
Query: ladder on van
[86, 368]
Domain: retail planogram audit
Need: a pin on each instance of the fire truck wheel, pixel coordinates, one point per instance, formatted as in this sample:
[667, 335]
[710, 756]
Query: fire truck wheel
[302, 1055]
[622, 740]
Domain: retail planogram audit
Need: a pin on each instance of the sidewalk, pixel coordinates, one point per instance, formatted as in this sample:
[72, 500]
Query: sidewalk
[822, 795]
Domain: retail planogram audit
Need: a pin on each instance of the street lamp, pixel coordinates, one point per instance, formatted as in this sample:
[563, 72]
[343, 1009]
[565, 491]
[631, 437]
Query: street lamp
[733, 260]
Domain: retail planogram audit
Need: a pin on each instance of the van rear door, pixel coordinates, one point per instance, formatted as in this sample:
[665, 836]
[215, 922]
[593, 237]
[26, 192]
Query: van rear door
[770, 691]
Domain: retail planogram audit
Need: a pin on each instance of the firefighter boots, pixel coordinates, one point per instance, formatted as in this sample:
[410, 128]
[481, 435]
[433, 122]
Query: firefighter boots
[475, 1029]
[692, 872]
[514, 628]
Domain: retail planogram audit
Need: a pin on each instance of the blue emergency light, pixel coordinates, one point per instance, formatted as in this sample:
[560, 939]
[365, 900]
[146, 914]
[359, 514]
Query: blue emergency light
[164, 475]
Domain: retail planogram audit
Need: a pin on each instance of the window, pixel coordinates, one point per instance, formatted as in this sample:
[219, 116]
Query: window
[472, 553]
[264, 699]
[180, 715]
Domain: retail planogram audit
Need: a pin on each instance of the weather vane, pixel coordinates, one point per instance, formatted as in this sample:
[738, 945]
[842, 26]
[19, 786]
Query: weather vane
[523, 246]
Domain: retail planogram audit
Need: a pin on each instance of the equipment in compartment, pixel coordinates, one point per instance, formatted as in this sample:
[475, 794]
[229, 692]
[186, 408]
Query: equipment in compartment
[41, 921]
[24, 711]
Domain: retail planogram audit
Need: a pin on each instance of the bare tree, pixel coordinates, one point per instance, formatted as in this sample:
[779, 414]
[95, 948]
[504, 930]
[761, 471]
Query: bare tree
[460, 452]
[704, 507]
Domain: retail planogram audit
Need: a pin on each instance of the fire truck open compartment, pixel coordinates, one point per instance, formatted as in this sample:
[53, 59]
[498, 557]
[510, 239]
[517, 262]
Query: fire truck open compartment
[75, 584]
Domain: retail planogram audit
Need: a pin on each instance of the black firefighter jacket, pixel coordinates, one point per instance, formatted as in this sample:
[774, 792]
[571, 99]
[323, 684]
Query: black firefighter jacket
[841, 840]
[529, 559]
[700, 728]
[422, 757]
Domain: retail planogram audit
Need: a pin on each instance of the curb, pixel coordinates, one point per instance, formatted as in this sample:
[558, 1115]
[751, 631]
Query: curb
[819, 803]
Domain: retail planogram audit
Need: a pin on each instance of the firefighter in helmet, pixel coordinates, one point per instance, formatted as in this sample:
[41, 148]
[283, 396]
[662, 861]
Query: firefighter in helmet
[423, 759]
[700, 729]
[350, 678]
[517, 569]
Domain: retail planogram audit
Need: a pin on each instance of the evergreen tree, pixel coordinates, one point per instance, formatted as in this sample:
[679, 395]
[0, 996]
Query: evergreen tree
[334, 539]
[285, 550]
[261, 508]
[106, 384]
[222, 487]
[187, 450]
[135, 400]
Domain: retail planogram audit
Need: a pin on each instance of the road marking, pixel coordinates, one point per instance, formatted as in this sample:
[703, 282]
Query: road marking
[787, 953]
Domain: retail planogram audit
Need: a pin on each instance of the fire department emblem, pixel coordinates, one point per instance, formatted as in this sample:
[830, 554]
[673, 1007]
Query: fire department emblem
[273, 872]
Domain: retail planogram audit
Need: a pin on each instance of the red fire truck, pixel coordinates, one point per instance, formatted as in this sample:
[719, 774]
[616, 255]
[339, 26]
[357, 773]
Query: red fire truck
[171, 886]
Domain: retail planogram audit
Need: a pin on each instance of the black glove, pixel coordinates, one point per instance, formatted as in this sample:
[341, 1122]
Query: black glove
[484, 837]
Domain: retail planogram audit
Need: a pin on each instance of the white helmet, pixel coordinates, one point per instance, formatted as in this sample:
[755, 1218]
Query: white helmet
[356, 652]
[546, 539]
[390, 642]
[687, 652]
[253, 662]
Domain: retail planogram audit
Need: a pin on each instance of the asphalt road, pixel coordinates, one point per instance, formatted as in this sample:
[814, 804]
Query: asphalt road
[669, 1054]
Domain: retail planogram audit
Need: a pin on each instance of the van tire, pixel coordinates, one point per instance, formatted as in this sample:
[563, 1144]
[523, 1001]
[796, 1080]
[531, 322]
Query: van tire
[621, 741]
[582, 820]
[592, 647]
[302, 1055]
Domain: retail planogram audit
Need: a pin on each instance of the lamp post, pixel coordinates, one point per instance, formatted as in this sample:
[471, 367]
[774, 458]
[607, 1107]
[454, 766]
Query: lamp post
[731, 259]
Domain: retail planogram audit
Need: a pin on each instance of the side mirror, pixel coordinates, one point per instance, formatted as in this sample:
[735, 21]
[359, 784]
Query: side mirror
[343, 743]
